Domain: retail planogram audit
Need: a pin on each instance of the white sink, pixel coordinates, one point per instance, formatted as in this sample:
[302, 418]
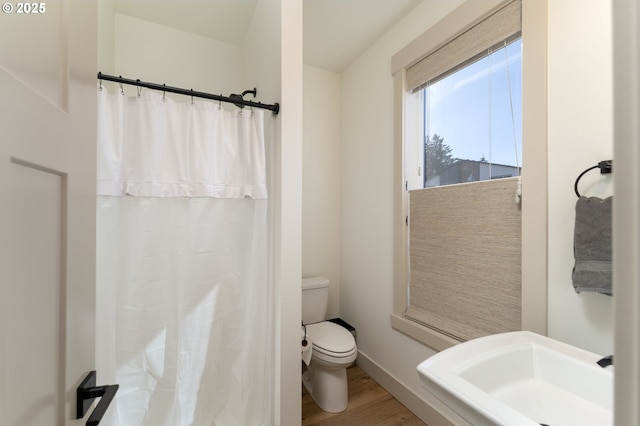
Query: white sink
[521, 379]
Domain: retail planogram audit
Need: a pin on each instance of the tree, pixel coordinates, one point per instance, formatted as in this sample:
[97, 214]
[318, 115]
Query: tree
[437, 156]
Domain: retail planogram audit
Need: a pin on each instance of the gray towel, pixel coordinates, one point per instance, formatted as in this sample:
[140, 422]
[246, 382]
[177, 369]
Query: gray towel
[592, 245]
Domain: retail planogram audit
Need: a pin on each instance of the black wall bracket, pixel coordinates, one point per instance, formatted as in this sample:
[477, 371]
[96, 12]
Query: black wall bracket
[87, 392]
[605, 166]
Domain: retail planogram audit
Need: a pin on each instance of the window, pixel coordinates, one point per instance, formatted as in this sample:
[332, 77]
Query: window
[471, 120]
[459, 252]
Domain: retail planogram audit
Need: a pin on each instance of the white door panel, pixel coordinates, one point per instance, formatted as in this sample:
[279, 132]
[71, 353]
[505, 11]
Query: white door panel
[47, 210]
[35, 295]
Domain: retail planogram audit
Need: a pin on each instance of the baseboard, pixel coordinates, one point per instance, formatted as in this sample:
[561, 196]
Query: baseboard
[422, 408]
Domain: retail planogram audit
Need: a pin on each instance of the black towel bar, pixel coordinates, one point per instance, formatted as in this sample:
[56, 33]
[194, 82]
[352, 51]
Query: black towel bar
[605, 167]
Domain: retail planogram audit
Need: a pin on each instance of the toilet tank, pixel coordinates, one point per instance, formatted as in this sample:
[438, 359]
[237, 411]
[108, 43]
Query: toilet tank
[315, 295]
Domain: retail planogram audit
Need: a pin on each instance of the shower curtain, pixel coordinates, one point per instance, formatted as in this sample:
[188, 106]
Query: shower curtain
[183, 317]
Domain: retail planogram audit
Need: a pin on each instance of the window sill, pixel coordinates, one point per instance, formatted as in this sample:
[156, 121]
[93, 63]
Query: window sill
[429, 337]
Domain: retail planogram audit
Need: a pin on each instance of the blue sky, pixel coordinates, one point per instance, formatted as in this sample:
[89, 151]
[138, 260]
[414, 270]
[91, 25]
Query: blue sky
[461, 106]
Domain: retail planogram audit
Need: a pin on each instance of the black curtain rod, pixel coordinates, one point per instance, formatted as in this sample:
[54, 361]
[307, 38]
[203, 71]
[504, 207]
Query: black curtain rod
[233, 98]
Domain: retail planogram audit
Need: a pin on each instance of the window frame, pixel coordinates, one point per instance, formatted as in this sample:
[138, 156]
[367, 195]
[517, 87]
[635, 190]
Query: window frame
[534, 147]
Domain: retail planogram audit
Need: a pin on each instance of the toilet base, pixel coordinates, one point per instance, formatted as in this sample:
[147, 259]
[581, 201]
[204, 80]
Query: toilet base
[327, 387]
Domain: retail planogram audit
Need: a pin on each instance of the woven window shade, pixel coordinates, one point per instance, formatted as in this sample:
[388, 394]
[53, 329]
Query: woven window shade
[489, 32]
[465, 258]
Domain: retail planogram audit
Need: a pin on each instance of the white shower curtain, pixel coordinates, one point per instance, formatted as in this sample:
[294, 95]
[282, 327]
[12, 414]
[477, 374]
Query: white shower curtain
[183, 308]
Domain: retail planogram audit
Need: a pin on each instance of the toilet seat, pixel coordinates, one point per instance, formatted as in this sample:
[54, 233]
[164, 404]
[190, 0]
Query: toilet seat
[331, 340]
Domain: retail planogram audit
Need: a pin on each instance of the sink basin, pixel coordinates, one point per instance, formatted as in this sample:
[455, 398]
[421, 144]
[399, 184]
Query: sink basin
[521, 379]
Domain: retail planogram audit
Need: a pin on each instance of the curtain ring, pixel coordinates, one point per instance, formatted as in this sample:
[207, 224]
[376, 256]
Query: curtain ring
[164, 94]
[220, 104]
[100, 88]
[192, 103]
[139, 91]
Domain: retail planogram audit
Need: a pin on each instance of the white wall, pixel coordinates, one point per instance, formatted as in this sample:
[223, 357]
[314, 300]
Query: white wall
[579, 136]
[580, 121]
[321, 180]
[106, 37]
[366, 205]
[261, 53]
[163, 55]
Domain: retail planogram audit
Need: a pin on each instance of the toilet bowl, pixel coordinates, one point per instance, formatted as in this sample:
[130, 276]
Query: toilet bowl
[333, 350]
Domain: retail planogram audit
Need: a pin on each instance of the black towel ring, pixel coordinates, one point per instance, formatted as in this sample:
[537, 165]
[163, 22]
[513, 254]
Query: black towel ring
[605, 167]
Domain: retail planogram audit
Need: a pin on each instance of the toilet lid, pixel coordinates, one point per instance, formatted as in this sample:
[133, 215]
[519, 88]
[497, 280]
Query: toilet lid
[330, 337]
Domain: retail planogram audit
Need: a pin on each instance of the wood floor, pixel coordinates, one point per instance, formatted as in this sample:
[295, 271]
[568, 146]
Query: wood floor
[369, 404]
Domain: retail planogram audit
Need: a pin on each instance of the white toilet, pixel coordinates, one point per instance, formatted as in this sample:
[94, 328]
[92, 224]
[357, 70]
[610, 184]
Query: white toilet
[333, 349]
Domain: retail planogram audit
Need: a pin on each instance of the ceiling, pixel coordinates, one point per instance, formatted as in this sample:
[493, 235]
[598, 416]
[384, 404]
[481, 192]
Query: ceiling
[335, 31]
